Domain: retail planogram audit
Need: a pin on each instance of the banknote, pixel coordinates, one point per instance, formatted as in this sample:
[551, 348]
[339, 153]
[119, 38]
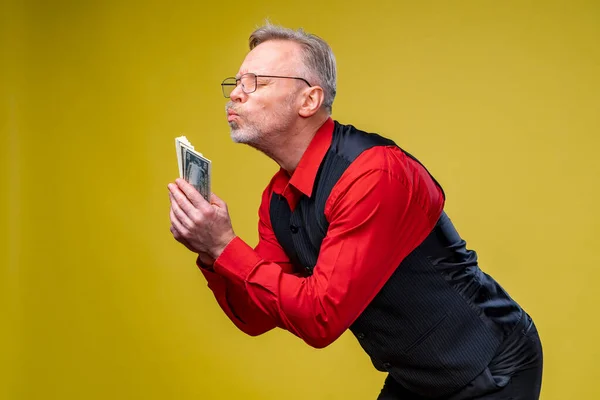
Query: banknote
[181, 143]
[194, 167]
[196, 171]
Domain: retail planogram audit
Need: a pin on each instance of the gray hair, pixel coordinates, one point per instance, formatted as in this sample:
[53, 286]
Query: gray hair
[318, 56]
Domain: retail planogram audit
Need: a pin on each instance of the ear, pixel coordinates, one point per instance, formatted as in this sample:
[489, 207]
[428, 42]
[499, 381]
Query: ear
[312, 100]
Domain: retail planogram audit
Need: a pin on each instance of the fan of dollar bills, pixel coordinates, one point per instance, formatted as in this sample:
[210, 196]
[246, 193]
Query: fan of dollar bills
[193, 166]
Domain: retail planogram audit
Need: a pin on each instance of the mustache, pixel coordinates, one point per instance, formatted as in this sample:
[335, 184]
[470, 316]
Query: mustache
[231, 106]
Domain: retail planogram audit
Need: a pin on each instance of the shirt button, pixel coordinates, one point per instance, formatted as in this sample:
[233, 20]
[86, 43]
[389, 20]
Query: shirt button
[360, 335]
[294, 228]
[387, 365]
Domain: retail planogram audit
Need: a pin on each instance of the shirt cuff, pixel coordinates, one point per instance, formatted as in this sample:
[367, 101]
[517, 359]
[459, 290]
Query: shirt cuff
[213, 279]
[236, 261]
[203, 266]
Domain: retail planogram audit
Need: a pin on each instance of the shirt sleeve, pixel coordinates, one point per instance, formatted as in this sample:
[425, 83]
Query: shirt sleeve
[237, 305]
[377, 217]
[234, 299]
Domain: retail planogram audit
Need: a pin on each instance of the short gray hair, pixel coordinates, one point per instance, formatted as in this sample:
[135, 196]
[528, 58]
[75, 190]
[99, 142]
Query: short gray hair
[318, 56]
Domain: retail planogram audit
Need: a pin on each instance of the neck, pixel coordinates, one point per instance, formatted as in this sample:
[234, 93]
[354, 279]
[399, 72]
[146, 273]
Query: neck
[288, 151]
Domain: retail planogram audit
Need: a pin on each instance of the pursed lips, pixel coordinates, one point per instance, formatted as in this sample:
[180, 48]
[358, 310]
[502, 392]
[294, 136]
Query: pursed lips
[231, 115]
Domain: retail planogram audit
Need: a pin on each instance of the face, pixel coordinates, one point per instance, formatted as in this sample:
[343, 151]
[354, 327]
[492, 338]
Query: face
[259, 118]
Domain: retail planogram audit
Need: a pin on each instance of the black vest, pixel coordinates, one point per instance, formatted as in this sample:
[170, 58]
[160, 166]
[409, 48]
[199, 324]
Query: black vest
[438, 321]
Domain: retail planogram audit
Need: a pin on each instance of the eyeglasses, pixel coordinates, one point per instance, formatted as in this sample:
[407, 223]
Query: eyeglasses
[249, 82]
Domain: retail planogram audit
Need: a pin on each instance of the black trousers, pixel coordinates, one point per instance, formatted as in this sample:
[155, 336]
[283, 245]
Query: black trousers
[515, 373]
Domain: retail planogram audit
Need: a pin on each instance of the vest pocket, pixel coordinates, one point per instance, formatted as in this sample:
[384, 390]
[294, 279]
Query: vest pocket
[425, 335]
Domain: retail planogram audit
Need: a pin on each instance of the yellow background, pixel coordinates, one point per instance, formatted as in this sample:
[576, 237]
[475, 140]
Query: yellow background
[499, 99]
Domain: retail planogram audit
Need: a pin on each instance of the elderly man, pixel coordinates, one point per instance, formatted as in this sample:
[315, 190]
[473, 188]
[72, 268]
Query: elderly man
[352, 235]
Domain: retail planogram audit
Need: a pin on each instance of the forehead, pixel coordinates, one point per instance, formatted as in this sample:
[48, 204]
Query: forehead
[273, 57]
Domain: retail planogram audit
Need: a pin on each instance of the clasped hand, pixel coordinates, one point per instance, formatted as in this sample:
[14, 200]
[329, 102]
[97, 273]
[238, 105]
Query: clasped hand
[203, 227]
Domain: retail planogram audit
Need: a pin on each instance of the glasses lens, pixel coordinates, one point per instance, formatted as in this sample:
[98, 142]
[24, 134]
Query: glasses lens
[248, 83]
[228, 85]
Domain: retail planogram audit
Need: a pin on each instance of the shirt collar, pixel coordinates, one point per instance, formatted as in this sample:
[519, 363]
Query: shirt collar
[303, 178]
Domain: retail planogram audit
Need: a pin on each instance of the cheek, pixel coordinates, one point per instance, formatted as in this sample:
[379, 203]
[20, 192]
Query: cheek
[264, 111]
[256, 109]
[261, 111]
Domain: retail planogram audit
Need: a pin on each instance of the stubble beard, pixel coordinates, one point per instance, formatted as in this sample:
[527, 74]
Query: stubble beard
[261, 134]
[247, 135]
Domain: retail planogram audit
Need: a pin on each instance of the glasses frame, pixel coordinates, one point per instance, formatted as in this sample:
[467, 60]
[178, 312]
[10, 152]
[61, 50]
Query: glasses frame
[238, 81]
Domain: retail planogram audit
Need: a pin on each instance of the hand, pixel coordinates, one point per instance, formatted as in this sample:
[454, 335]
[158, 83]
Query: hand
[202, 227]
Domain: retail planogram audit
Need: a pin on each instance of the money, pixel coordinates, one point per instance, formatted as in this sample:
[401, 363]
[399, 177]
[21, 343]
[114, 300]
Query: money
[193, 167]
[181, 143]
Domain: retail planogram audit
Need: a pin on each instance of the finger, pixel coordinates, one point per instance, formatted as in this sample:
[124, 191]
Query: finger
[181, 199]
[181, 216]
[216, 200]
[178, 230]
[179, 238]
[192, 194]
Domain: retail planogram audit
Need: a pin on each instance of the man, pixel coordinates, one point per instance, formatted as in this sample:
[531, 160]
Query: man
[352, 235]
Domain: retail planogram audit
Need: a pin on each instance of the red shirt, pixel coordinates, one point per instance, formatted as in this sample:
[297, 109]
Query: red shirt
[381, 208]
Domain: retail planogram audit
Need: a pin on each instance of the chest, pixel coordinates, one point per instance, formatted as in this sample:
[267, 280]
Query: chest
[300, 232]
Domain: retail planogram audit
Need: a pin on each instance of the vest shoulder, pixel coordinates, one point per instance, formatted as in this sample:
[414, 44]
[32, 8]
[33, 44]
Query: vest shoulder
[349, 142]
[349, 134]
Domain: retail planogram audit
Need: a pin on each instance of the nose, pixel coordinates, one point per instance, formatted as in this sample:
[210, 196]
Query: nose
[237, 95]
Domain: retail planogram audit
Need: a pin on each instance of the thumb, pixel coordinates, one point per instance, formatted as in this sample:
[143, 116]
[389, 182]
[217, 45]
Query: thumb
[216, 200]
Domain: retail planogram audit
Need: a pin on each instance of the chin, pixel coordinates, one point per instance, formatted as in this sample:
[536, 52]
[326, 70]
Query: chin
[237, 135]
[236, 138]
[244, 135]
